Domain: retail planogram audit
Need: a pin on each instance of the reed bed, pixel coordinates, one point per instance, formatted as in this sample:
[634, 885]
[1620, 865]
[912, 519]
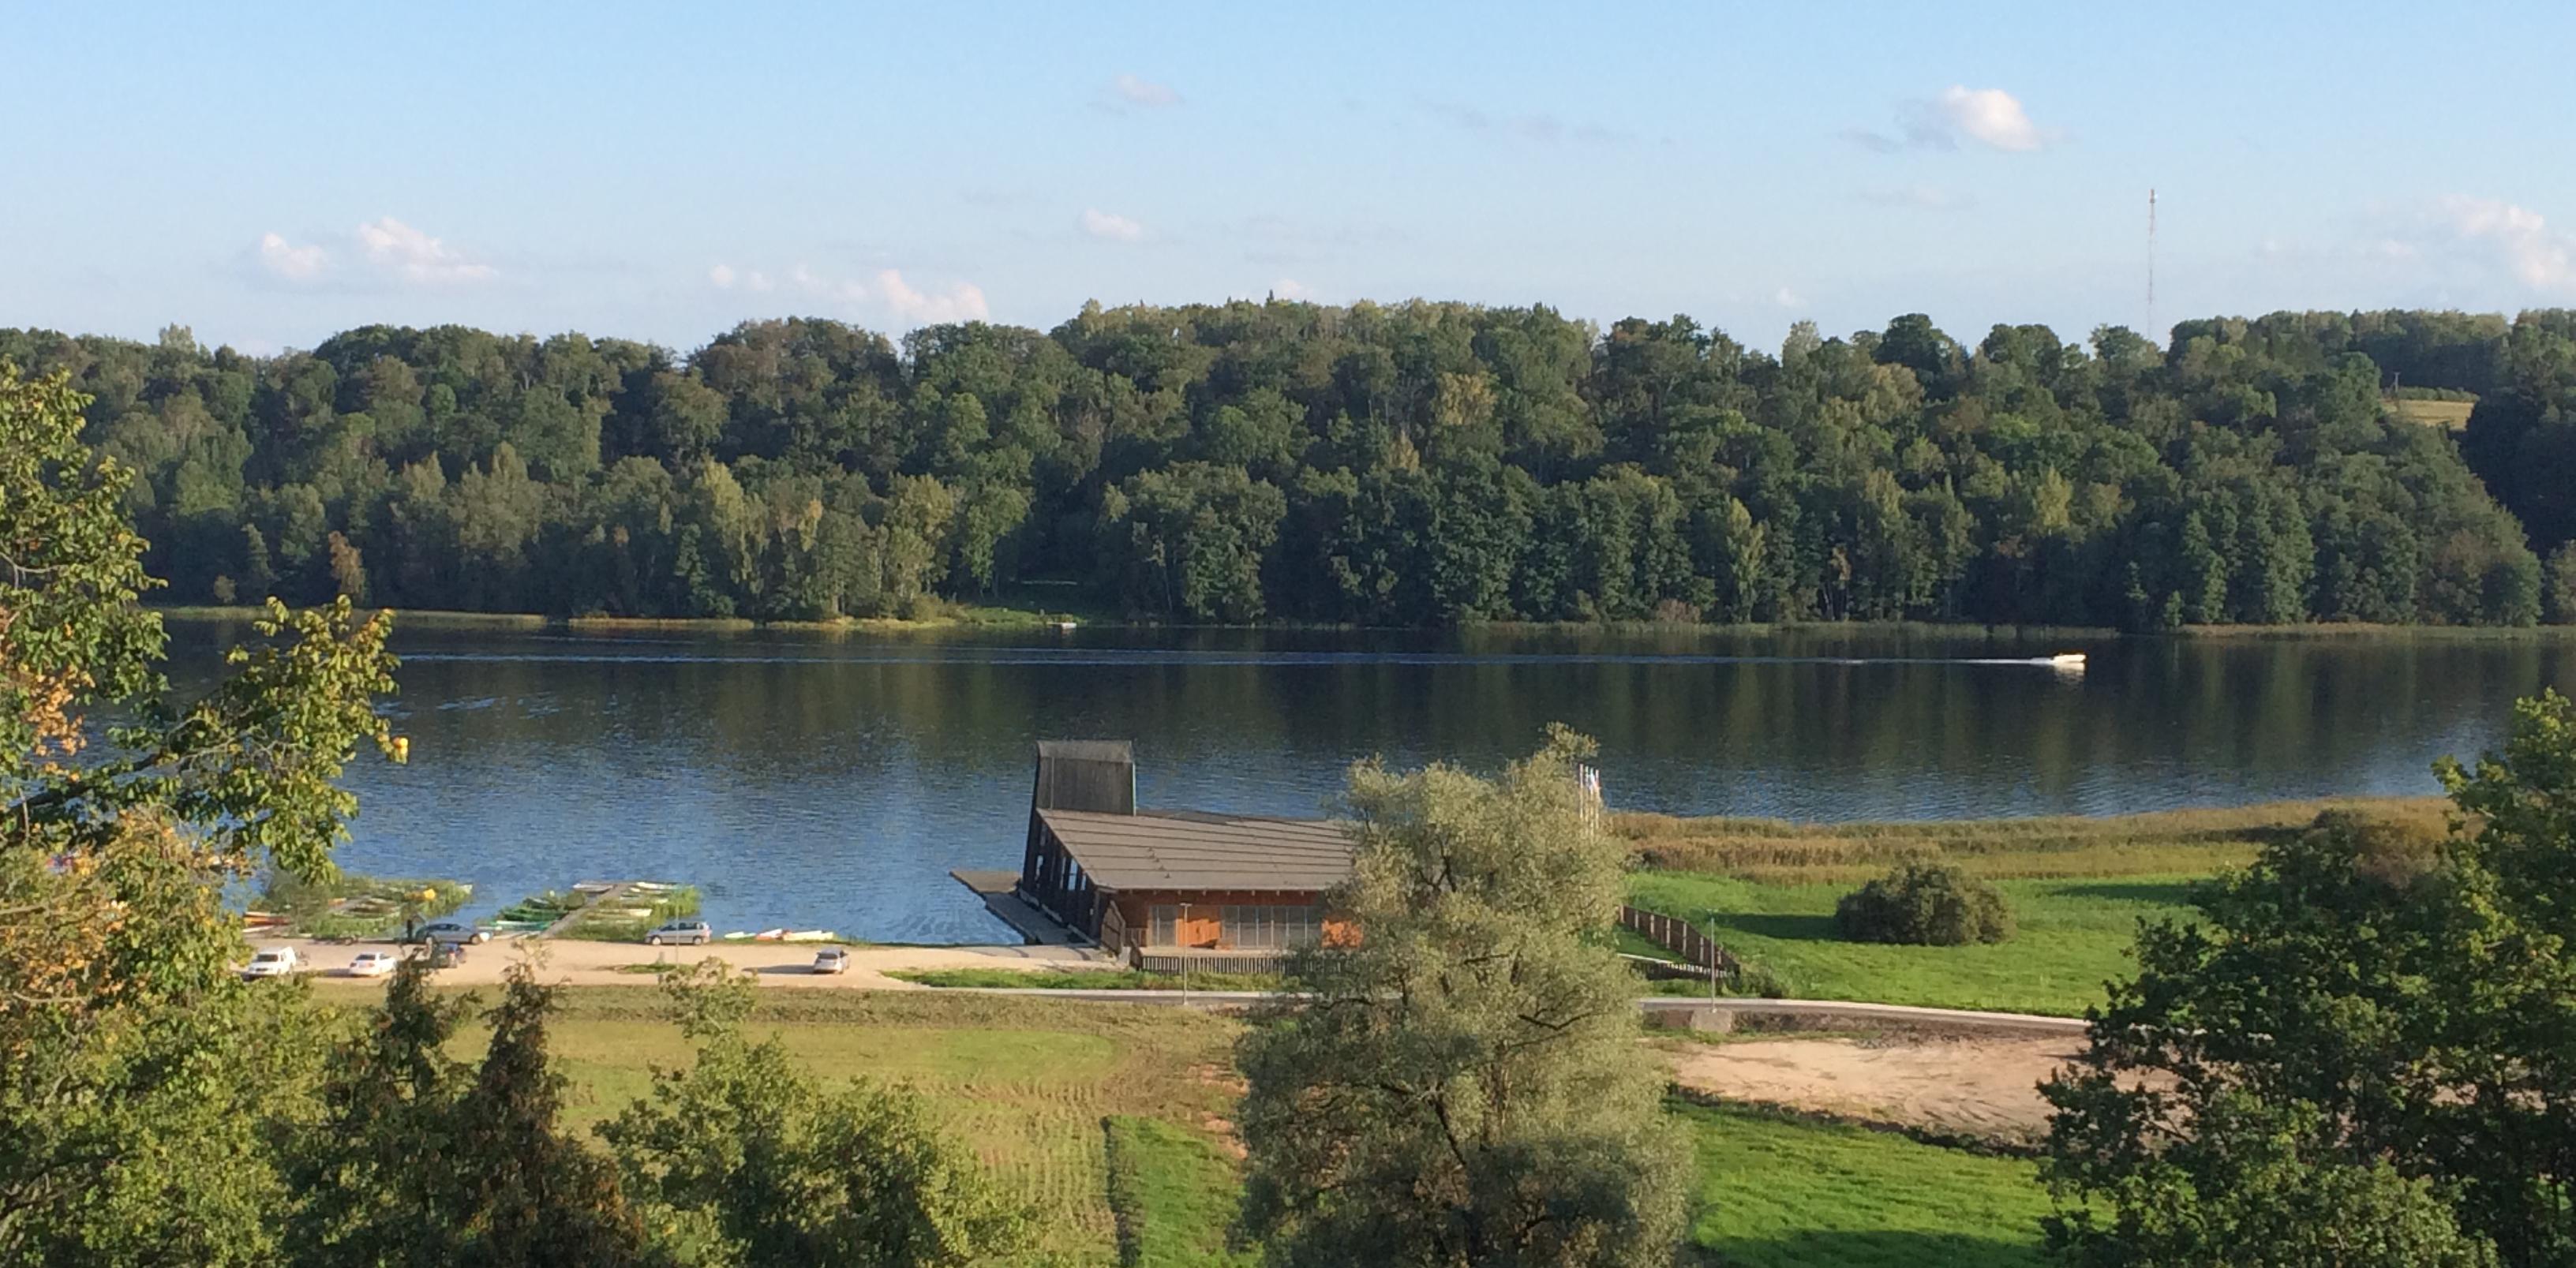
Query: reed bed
[2195, 841]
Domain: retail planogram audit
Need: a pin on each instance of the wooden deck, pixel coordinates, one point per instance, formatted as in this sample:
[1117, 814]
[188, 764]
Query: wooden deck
[999, 890]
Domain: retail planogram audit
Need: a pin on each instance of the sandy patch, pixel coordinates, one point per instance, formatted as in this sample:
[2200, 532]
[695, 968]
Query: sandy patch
[1984, 1087]
[580, 963]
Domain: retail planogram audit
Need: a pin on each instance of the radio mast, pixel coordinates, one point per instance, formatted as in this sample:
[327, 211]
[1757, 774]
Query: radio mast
[2151, 267]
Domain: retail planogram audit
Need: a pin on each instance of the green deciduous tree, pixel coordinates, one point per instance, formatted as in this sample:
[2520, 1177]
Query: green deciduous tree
[1436, 463]
[1462, 1085]
[1190, 541]
[137, 1073]
[751, 1162]
[2363, 1054]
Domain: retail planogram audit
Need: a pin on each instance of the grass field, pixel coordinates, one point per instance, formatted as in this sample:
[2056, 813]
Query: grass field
[1782, 1192]
[2204, 841]
[1172, 1192]
[2077, 886]
[1028, 1084]
[2453, 415]
[2073, 936]
[1110, 1119]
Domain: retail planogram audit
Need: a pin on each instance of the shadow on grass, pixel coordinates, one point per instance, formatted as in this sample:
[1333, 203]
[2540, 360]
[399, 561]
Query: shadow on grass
[1794, 928]
[2159, 893]
[1862, 1248]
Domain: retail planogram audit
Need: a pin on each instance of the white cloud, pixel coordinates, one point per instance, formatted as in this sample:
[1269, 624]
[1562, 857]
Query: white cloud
[961, 302]
[283, 259]
[413, 256]
[906, 304]
[1101, 224]
[1290, 288]
[1143, 92]
[1990, 115]
[1786, 298]
[2540, 257]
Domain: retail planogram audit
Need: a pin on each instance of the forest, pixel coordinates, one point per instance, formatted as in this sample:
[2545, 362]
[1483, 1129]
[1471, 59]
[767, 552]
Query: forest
[1413, 464]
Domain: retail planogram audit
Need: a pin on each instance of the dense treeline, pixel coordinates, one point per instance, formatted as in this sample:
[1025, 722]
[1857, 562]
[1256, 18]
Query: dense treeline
[1411, 464]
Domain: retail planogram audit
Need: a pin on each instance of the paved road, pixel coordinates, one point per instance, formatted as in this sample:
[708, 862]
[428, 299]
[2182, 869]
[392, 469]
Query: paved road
[582, 963]
[1823, 1011]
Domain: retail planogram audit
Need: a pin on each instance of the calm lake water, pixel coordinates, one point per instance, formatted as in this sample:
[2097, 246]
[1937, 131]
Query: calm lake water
[826, 781]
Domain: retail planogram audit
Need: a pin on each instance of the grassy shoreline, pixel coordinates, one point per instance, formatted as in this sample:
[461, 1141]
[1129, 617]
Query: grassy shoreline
[1012, 616]
[2078, 887]
[2200, 838]
[423, 618]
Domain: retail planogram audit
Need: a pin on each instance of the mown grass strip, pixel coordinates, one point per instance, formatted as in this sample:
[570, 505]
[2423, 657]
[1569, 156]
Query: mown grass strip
[1776, 1191]
[1172, 1192]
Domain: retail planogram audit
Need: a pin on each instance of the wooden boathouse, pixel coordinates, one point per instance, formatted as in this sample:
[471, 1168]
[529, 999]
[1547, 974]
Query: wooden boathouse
[1165, 889]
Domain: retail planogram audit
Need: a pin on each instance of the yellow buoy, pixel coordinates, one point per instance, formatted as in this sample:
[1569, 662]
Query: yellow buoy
[402, 748]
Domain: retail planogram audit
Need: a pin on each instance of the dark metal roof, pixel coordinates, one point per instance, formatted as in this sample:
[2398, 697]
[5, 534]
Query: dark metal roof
[1190, 849]
[1089, 750]
[1097, 775]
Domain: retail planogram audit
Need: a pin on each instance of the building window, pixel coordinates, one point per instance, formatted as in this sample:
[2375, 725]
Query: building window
[1251, 927]
[1167, 926]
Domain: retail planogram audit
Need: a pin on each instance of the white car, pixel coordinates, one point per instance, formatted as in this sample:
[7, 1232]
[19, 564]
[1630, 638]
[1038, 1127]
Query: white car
[273, 962]
[373, 964]
[832, 960]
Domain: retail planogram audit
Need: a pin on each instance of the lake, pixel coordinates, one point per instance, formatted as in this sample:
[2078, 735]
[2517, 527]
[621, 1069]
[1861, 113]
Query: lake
[822, 780]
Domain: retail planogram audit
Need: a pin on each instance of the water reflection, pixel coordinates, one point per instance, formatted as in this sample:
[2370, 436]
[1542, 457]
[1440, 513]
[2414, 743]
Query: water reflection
[831, 781]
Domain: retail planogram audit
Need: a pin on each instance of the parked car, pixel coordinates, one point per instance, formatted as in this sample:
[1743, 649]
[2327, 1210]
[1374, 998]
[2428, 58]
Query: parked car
[450, 931]
[832, 960]
[273, 962]
[373, 963]
[684, 933]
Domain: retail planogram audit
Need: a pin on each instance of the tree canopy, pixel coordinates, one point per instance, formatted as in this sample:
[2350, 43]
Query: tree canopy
[1407, 464]
[157, 1110]
[2365, 1055]
[1462, 1085]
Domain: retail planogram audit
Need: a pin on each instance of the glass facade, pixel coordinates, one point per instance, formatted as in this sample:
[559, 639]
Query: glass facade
[1240, 926]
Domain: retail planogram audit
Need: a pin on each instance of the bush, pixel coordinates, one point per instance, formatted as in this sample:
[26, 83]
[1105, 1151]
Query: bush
[1925, 904]
[1763, 981]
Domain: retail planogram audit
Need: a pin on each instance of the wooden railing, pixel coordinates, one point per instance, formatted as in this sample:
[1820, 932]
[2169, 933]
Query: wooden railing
[1678, 936]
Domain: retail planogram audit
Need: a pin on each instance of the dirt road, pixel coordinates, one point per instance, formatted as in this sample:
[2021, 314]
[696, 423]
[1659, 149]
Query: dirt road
[581, 963]
[1984, 1087]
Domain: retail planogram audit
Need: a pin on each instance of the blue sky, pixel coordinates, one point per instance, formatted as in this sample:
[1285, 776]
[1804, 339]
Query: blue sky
[270, 174]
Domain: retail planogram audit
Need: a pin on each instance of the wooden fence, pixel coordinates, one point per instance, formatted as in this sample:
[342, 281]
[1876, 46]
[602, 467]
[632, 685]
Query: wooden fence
[1678, 936]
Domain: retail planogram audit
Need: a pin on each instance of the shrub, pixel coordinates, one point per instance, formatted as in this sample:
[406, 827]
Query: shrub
[1927, 904]
[1757, 979]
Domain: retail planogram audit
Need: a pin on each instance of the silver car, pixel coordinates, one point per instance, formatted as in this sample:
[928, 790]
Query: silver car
[685, 933]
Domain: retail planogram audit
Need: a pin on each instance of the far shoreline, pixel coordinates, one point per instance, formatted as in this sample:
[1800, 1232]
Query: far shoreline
[1007, 618]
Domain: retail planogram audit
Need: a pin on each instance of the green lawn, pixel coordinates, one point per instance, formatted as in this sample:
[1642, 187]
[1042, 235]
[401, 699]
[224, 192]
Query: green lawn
[1111, 1119]
[1778, 1192]
[1172, 1190]
[1027, 1083]
[2078, 887]
[2073, 935]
